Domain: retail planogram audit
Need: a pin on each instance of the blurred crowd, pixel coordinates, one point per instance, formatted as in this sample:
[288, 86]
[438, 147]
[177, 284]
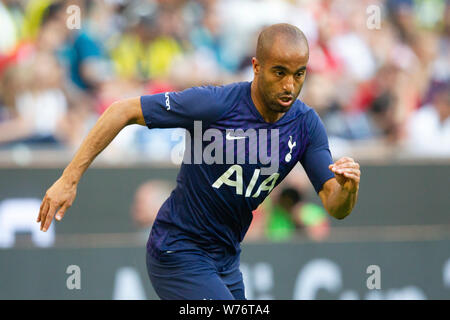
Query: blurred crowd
[378, 72]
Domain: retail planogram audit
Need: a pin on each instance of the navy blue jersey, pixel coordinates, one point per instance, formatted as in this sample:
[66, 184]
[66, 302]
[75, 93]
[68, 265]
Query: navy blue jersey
[233, 160]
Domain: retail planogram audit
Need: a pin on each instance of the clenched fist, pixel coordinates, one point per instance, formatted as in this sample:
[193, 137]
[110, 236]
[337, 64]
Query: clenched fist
[347, 174]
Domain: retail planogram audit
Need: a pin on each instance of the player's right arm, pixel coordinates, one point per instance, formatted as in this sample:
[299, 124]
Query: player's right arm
[163, 110]
[60, 196]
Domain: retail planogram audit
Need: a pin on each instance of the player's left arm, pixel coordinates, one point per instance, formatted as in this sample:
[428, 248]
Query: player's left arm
[339, 194]
[336, 183]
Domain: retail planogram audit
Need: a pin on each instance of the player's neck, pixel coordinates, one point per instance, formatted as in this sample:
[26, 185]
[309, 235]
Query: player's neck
[265, 112]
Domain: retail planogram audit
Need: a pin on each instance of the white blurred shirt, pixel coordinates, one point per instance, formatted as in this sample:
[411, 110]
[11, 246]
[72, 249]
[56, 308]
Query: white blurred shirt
[427, 136]
[43, 109]
[8, 35]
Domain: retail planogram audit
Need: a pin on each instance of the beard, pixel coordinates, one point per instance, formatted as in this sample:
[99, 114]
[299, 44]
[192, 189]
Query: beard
[279, 102]
[272, 102]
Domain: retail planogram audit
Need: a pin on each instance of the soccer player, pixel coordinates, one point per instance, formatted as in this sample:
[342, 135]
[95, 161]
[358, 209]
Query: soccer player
[194, 246]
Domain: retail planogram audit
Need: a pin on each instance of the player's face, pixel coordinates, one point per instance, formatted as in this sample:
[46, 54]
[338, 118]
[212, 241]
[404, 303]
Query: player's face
[281, 75]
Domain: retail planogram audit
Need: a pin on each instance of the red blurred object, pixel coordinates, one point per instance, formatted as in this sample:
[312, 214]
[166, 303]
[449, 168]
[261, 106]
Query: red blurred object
[157, 86]
[323, 61]
[116, 90]
[22, 51]
[364, 96]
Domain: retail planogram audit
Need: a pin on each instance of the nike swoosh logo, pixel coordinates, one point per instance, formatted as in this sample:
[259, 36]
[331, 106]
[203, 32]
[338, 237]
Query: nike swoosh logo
[230, 137]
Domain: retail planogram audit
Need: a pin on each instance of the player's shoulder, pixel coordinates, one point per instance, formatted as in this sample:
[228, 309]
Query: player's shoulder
[303, 111]
[308, 116]
[231, 90]
[223, 95]
[209, 102]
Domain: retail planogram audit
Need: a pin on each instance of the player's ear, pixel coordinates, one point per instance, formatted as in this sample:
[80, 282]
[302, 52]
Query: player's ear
[256, 65]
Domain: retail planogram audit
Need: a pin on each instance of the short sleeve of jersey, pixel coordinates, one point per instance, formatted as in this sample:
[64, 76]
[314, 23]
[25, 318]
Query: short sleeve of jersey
[181, 109]
[317, 156]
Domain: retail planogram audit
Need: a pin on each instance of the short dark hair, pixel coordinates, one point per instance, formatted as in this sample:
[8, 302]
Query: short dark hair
[268, 35]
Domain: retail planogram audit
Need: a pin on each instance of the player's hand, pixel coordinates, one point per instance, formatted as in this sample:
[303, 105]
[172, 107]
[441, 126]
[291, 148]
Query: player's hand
[347, 174]
[58, 198]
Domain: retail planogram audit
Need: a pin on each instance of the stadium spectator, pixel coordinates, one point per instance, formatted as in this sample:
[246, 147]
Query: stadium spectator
[429, 127]
[290, 215]
[10, 26]
[287, 214]
[147, 200]
[40, 108]
[124, 47]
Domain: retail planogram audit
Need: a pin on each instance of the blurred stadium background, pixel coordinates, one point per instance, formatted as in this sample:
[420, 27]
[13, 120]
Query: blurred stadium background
[378, 76]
